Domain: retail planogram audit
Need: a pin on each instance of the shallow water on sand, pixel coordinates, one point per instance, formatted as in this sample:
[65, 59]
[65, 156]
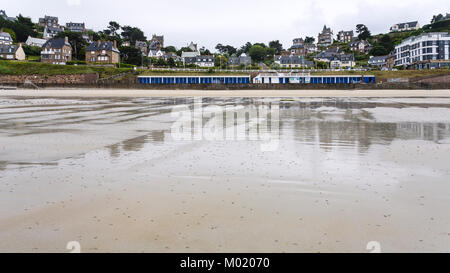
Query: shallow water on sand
[111, 174]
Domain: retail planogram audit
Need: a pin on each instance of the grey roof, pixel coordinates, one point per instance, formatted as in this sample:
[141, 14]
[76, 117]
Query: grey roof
[95, 46]
[240, 60]
[141, 44]
[292, 60]
[205, 58]
[326, 55]
[350, 32]
[56, 43]
[186, 54]
[155, 45]
[357, 42]
[297, 46]
[344, 57]
[6, 35]
[32, 40]
[378, 59]
[8, 49]
[411, 24]
[53, 29]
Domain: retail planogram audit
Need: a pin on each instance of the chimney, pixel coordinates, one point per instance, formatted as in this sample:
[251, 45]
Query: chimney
[98, 43]
[67, 39]
[115, 44]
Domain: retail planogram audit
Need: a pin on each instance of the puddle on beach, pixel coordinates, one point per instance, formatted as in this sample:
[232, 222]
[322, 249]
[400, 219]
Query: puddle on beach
[363, 154]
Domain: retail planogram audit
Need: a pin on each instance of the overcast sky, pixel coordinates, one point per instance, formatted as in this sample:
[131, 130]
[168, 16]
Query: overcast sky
[208, 22]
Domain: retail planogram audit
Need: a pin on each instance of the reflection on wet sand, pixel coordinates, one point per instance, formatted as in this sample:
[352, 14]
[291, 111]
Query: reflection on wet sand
[108, 173]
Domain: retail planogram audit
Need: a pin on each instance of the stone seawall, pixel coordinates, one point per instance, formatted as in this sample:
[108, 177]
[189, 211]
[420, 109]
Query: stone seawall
[50, 80]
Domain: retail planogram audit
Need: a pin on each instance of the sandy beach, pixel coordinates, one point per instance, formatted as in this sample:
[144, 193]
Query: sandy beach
[103, 168]
[234, 93]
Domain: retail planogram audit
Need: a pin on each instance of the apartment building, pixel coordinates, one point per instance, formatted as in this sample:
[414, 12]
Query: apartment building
[428, 50]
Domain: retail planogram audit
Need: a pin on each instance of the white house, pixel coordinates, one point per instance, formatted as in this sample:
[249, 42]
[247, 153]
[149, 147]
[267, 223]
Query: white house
[156, 54]
[35, 41]
[405, 26]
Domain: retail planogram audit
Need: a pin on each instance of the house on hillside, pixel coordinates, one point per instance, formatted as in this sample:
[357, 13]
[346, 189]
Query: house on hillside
[76, 27]
[310, 48]
[156, 53]
[5, 38]
[35, 41]
[345, 36]
[49, 21]
[189, 57]
[142, 45]
[172, 56]
[340, 61]
[102, 53]
[12, 52]
[405, 26]
[156, 43]
[292, 61]
[56, 51]
[205, 61]
[362, 47]
[382, 62]
[50, 32]
[325, 38]
[241, 60]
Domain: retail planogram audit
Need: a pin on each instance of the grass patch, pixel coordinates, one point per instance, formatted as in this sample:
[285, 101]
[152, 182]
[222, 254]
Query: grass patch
[33, 68]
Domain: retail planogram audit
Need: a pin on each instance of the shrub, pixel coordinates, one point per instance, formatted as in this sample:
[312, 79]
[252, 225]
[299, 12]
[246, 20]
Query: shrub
[76, 63]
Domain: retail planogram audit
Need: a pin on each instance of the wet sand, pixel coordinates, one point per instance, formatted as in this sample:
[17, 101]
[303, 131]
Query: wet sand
[107, 172]
[218, 93]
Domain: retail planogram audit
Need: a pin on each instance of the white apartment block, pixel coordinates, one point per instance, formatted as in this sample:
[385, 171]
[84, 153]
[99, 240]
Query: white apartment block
[427, 47]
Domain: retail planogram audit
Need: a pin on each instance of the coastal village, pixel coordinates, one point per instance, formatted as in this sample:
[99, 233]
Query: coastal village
[407, 45]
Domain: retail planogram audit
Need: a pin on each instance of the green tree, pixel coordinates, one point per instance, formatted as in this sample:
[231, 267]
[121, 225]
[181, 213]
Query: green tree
[245, 48]
[171, 62]
[277, 46]
[363, 32]
[32, 50]
[133, 34]
[113, 28]
[170, 49]
[22, 27]
[378, 50]
[257, 53]
[226, 49]
[183, 49]
[131, 55]
[205, 51]
[220, 61]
